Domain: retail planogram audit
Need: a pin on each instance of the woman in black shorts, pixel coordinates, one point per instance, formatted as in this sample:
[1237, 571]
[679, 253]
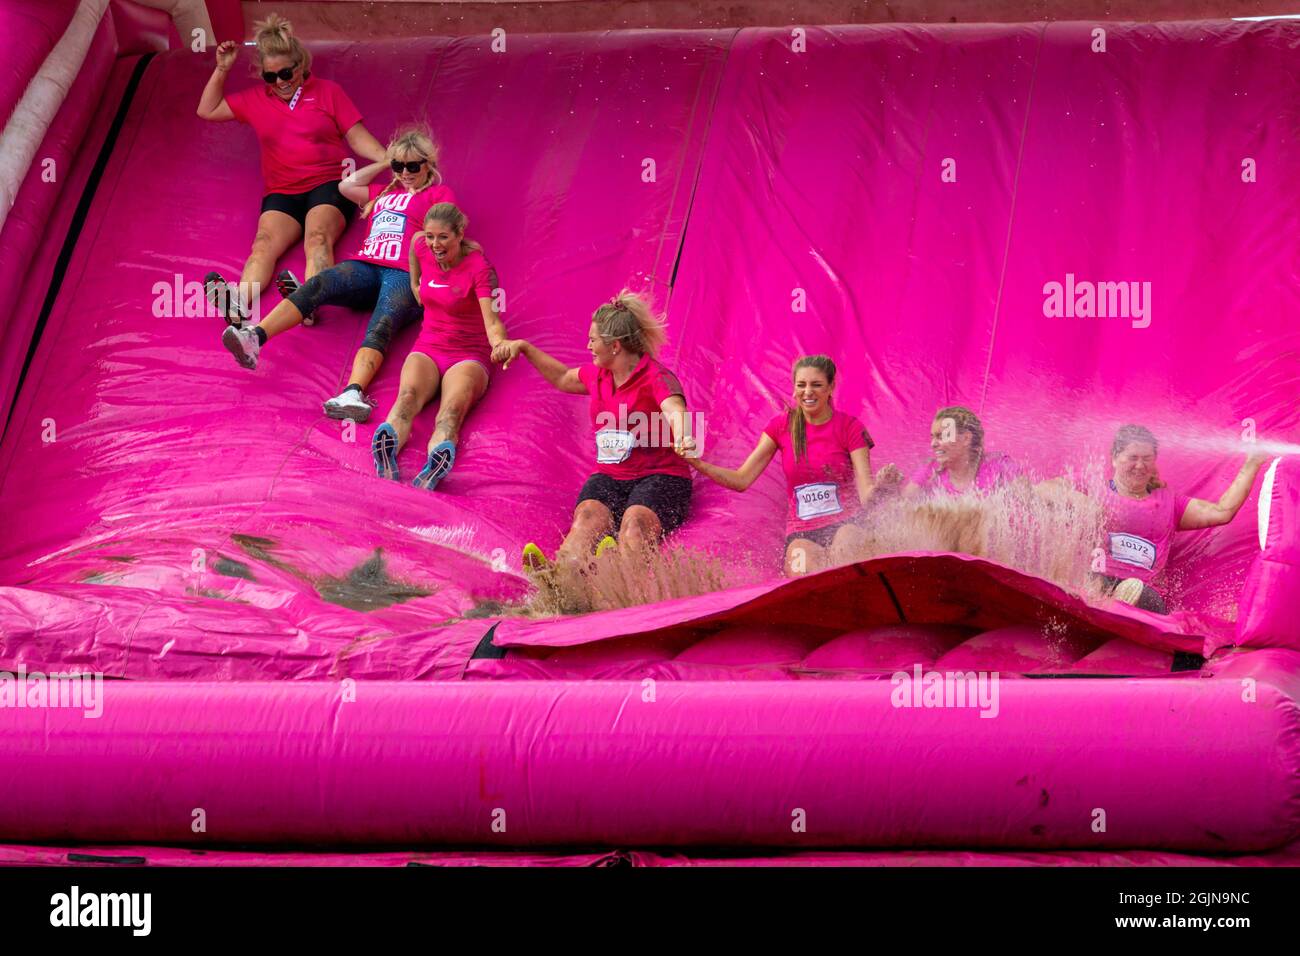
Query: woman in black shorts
[307, 127]
[641, 488]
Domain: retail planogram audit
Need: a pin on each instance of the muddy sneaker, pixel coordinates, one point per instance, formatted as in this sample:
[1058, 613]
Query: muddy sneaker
[441, 457]
[1129, 591]
[351, 404]
[383, 447]
[534, 559]
[286, 283]
[243, 345]
[224, 297]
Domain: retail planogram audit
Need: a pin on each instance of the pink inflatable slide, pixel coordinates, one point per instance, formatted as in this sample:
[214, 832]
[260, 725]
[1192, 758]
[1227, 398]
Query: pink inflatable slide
[298, 653]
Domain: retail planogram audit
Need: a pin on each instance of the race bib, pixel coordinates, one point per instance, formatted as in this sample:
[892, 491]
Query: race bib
[817, 500]
[1130, 549]
[613, 446]
[385, 239]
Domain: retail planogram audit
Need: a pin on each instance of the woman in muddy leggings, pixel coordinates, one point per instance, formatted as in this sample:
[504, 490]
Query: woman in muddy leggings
[378, 277]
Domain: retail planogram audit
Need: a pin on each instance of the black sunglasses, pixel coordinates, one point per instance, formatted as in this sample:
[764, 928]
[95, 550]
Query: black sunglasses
[414, 167]
[286, 74]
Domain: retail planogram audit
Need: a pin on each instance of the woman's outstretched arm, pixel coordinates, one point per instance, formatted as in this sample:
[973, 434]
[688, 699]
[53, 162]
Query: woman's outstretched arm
[1208, 514]
[737, 479]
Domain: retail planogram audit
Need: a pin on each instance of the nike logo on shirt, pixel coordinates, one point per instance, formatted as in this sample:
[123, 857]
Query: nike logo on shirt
[434, 285]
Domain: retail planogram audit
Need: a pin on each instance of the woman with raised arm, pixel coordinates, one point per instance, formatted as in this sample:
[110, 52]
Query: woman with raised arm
[826, 459]
[377, 278]
[641, 488]
[1142, 514]
[306, 127]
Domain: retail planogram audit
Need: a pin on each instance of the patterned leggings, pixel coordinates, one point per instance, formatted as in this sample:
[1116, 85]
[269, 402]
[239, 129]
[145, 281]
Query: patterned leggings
[364, 285]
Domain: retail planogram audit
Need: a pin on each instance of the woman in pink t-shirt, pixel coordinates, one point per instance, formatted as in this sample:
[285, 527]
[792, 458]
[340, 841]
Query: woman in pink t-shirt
[826, 458]
[641, 488]
[306, 127]
[377, 277]
[1142, 514]
[457, 287]
[959, 463]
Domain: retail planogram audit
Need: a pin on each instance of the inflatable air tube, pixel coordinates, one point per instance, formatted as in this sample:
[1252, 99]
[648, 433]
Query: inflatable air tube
[1180, 764]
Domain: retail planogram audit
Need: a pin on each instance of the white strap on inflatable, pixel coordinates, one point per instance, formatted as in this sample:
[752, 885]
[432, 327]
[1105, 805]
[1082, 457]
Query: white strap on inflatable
[1266, 501]
[31, 118]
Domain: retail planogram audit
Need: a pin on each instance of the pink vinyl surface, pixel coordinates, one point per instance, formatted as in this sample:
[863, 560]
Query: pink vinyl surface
[209, 534]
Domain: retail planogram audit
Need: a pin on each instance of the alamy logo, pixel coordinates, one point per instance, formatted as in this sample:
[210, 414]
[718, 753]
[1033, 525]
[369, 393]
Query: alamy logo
[75, 908]
[74, 691]
[974, 689]
[1099, 300]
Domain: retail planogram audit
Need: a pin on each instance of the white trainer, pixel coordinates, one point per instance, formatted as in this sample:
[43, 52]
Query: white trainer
[349, 403]
[243, 345]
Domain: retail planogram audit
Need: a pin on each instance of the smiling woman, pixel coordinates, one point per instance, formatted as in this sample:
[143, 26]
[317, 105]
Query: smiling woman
[306, 127]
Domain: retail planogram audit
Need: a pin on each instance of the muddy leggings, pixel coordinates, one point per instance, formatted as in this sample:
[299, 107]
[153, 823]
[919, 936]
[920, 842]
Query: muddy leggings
[1149, 601]
[364, 285]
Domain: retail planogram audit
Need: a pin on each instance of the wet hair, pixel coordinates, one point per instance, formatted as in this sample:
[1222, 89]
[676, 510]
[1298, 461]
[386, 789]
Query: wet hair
[964, 420]
[274, 37]
[627, 318]
[1128, 434]
[450, 213]
[794, 420]
[409, 140]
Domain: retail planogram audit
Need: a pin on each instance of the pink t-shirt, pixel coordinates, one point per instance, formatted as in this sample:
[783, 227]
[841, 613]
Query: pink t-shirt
[302, 147]
[1139, 532]
[821, 485]
[994, 470]
[633, 436]
[453, 319]
[394, 219]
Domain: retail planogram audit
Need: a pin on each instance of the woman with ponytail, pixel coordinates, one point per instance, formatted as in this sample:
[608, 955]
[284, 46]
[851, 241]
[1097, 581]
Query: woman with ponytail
[457, 287]
[960, 462]
[641, 489]
[826, 458]
[1142, 514]
[378, 277]
[306, 127]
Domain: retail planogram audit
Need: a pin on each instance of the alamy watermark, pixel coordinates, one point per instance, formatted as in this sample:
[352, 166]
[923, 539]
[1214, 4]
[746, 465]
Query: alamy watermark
[71, 691]
[925, 689]
[1098, 300]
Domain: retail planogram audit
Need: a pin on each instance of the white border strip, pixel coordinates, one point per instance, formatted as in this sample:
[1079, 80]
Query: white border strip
[35, 111]
[1266, 501]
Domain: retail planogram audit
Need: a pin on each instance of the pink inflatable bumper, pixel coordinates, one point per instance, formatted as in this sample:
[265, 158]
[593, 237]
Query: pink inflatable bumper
[1194, 764]
[1269, 610]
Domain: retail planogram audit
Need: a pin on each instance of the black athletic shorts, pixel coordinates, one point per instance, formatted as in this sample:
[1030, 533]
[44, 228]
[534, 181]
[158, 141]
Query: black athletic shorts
[668, 496]
[822, 537]
[297, 204]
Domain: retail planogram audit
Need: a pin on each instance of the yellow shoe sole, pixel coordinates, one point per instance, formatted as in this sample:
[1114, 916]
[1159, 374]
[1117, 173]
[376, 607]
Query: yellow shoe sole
[534, 559]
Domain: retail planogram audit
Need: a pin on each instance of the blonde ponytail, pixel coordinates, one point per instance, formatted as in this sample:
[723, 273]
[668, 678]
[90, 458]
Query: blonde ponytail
[629, 319]
[274, 37]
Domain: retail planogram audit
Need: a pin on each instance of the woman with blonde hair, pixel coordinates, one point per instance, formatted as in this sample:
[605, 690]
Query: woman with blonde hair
[378, 277]
[641, 488]
[457, 287]
[306, 127]
[826, 459]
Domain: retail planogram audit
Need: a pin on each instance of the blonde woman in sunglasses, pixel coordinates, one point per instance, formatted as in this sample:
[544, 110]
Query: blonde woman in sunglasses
[307, 128]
